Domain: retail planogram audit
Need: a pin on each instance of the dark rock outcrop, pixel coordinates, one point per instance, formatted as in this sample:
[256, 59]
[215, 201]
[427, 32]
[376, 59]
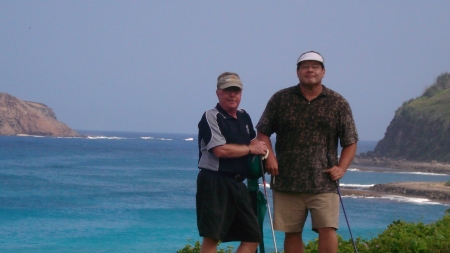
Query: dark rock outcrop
[30, 118]
[431, 190]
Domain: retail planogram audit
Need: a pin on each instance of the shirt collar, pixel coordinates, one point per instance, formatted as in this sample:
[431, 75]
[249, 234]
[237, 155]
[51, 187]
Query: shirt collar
[224, 113]
[325, 91]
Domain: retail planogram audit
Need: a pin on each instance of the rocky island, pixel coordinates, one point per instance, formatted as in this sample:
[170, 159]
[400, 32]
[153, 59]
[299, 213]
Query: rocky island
[18, 117]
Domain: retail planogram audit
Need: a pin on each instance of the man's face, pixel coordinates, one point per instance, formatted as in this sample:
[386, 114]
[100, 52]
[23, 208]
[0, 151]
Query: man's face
[310, 73]
[229, 98]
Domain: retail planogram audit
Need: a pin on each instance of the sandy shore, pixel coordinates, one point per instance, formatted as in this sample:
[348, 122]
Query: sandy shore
[438, 192]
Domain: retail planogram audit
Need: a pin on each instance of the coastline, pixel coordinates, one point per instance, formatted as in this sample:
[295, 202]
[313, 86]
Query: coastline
[437, 192]
[430, 167]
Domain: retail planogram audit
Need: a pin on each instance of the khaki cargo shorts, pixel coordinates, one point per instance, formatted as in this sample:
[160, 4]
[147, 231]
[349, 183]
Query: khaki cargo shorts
[291, 210]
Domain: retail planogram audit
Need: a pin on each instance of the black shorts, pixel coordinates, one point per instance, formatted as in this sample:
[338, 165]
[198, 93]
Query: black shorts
[224, 209]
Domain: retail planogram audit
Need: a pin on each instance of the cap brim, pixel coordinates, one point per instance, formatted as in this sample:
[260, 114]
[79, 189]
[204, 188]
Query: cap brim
[311, 58]
[227, 85]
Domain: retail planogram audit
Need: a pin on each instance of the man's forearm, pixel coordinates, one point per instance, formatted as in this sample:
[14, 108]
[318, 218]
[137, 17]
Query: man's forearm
[347, 155]
[265, 138]
[231, 150]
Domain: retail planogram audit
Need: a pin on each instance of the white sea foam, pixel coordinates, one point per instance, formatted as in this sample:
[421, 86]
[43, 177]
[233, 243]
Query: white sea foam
[27, 135]
[423, 173]
[106, 138]
[419, 201]
[125, 138]
[400, 172]
[353, 196]
[117, 138]
[356, 185]
[410, 199]
[96, 137]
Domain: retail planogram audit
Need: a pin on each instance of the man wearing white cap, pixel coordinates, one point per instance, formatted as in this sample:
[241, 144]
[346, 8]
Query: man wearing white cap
[309, 120]
[226, 138]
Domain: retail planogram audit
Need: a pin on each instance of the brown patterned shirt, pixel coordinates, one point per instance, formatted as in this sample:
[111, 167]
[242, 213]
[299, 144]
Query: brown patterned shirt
[306, 133]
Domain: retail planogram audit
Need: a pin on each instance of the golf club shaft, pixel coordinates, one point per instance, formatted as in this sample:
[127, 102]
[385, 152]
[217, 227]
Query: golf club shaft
[268, 206]
[330, 165]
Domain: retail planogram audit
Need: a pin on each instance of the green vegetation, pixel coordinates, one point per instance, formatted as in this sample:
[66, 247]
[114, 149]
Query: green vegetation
[196, 248]
[400, 236]
[428, 108]
[442, 83]
[433, 104]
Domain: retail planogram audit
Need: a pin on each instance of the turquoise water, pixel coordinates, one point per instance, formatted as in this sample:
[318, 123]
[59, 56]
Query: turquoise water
[135, 192]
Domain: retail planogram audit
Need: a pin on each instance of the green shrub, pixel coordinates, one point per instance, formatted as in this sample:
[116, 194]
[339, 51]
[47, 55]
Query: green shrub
[448, 183]
[196, 248]
[400, 236]
[406, 237]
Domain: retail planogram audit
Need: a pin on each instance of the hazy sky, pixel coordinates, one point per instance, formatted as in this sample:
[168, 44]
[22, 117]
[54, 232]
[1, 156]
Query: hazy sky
[151, 66]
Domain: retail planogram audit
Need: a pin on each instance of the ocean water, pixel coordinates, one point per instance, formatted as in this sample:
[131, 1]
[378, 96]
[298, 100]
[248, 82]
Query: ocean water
[135, 192]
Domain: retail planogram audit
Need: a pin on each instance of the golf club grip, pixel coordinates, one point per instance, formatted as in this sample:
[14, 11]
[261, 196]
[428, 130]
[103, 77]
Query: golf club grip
[330, 164]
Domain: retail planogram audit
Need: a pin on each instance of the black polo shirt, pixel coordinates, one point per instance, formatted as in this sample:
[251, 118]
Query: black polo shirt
[218, 128]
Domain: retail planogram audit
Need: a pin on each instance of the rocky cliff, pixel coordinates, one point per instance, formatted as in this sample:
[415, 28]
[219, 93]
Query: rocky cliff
[420, 128]
[22, 117]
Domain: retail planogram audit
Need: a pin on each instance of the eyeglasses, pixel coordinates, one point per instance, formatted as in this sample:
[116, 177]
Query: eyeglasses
[314, 66]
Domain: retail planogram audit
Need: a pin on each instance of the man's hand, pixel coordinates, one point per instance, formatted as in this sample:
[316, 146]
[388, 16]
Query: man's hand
[271, 165]
[258, 147]
[347, 154]
[336, 173]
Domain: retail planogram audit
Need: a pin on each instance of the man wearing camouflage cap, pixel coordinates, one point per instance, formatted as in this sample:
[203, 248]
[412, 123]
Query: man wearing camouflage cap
[226, 138]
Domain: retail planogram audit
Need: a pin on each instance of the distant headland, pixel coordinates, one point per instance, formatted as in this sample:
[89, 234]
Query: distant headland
[18, 117]
[420, 129]
[417, 140]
